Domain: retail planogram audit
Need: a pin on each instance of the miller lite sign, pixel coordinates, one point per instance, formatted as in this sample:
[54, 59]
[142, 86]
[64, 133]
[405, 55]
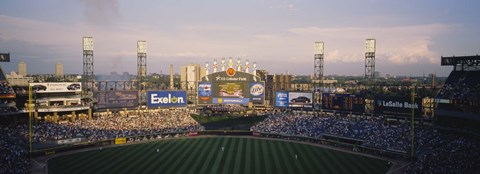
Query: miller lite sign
[256, 89]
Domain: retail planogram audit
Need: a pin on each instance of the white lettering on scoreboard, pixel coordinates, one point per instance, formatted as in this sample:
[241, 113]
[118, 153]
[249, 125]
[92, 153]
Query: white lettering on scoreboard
[397, 104]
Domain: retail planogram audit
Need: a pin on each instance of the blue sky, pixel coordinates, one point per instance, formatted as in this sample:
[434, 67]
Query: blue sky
[278, 35]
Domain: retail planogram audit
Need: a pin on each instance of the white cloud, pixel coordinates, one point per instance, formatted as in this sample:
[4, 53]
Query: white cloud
[118, 44]
[103, 12]
[398, 45]
[274, 49]
[283, 5]
[413, 53]
[337, 56]
[190, 54]
[212, 27]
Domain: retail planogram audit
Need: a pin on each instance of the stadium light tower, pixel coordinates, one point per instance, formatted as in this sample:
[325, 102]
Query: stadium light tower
[141, 68]
[88, 77]
[370, 62]
[317, 73]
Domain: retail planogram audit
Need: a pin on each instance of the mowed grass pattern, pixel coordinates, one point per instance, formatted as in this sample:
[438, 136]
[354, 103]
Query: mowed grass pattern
[205, 155]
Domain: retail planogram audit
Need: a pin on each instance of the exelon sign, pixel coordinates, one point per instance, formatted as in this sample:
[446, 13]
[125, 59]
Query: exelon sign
[166, 98]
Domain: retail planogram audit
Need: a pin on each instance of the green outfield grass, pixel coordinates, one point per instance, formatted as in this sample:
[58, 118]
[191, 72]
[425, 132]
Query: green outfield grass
[228, 122]
[205, 155]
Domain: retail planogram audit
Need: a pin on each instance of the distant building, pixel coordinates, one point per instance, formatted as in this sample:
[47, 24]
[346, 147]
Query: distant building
[301, 86]
[22, 68]
[18, 80]
[273, 83]
[155, 76]
[327, 82]
[190, 75]
[262, 74]
[377, 74]
[59, 69]
[282, 82]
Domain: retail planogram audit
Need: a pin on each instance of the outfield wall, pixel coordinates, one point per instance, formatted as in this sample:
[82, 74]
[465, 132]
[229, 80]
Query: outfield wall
[334, 141]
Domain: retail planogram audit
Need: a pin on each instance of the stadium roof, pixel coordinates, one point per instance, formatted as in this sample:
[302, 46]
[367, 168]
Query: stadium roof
[464, 63]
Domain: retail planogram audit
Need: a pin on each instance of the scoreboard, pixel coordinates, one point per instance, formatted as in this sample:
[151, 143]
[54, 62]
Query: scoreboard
[343, 102]
[231, 87]
[116, 99]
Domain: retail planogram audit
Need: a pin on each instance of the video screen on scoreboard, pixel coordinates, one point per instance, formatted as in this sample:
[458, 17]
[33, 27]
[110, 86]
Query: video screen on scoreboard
[343, 102]
[116, 99]
[233, 90]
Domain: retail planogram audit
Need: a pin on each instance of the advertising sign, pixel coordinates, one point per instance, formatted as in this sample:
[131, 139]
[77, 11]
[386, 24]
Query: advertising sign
[69, 141]
[167, 98]
[56, 87]
[9, 95]
[257, 92]
[401, 106]
[120, 140]
[281, 99]
[300, 99]
[242, 101]
[204, 92]
[116, 99]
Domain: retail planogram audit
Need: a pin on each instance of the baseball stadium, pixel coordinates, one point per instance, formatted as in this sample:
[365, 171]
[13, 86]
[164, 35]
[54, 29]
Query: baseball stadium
[220, 113]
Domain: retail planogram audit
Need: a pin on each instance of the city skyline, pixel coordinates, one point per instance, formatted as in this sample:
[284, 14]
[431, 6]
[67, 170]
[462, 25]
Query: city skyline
[278, 35]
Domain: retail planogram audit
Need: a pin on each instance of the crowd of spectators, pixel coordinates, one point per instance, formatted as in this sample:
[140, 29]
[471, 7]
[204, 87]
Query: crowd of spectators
[7, 99]
[460, 84]
[375, 132]
[5, 88]
[463, 89]
[435, 152]
[8, 110]
[115, 126]
[293, 124]
[14, 155]
[447, 154]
